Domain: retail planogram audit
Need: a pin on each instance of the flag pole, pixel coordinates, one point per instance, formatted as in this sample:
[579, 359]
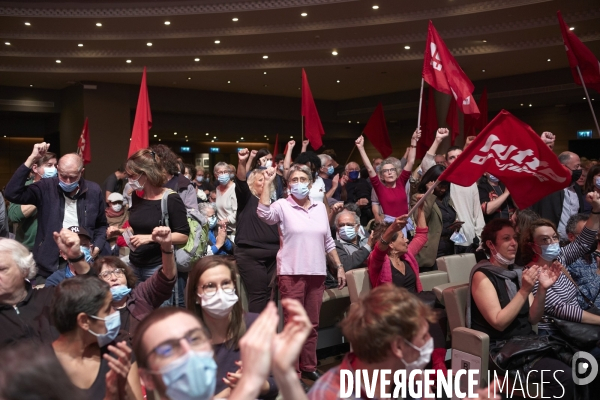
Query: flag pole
[587, 96]
[420, 104]
[422, 199]
[350, 154]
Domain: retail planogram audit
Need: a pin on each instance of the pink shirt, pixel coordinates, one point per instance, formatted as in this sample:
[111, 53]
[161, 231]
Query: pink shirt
[304, 236]
[393, 200]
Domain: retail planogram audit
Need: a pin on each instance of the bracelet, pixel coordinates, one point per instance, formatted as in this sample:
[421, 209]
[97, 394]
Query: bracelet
[595, 212]
[384, 242]
[340, 266]
[167, 252]
[412, 147]
[77, 259]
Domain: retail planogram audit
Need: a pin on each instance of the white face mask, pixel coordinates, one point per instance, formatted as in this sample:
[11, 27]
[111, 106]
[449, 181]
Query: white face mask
[503, 260]
[268, 164]
[117, 207]
[425, 352]
[218, 306]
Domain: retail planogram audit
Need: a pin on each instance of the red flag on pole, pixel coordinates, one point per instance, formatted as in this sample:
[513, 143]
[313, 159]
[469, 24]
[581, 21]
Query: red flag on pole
[510, 150]
[442, 72]
[83, 145]
[482, 121]
[579, 55]
[452, 121]
[312, 123]
[143, 120]
[376, 131]
[276, 147]
[421, 146]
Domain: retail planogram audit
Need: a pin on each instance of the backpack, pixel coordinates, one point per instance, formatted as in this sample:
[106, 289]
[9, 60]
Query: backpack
[195, 248]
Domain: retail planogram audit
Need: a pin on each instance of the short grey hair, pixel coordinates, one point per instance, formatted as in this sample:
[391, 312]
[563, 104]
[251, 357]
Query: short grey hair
[324, 159]
[356, 219]
[221, 164]
[21, 256]
[573, 221]
[301, 168]
[203, 207]
[390, 160]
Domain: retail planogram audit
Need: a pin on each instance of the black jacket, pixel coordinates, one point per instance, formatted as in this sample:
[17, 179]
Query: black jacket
[48, 197]
[550, 207]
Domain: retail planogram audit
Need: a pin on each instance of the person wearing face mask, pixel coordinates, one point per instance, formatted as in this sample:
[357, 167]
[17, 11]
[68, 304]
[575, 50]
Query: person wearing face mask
[356, 190]
[63, 201]
[305, 239]
[218, 242]
[330, 178]
[135, 301]
[352, 248]
[202, 182]
[86, 348]
[211, 295]
[69, 271]
[117, 214]
[495, 198]
[226, 199]
[504, 304]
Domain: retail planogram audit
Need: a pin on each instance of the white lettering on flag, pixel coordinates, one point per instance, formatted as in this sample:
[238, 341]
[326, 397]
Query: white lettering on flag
[435, 55]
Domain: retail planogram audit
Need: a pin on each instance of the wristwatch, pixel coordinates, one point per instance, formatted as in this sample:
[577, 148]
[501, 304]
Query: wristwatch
[340, 266]
[77, 259]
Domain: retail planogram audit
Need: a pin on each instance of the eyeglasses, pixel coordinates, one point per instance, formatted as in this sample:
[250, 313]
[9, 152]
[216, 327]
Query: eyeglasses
[385, 171]
[119, 272]
[348, 224]
[210, 289]
[548, 240]
[301, 180]
[171, 349]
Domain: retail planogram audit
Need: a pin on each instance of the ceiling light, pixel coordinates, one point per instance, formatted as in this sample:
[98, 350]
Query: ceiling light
[27, 24]
[155, 135]
[7, 43]
[128, 61]
[196, 59]
[484, 41]
[98, 24]
[186, 140]
[241, 138]
[338, 81]
[158, 140]
[265, 135]
[228, 81]
[358, 122]
[335, 53]
[521, 104]
[214, 137]
[572, 28]
[584, 98]
[237, 141]
[483, 70]
[349, 122]
[189, 78]
[265, 57]
[186, 137]
[217, 41]
[291, 137]
[304, 14]
[265, 85]
[149, 44]
[375, 7]
[206, 133]
[235, 19]
[548, 60]
[530, 105]
[174, 133]
[212, 141]
[80, 45]
[58, 61]
[167, 22]
[406, 47]
[264, 73]
[30, 85]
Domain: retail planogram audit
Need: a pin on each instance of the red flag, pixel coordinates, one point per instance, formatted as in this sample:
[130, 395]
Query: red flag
[579, 55]
[482, 121]
[286, 149]
[421, 147]
[510, 150]
[143, 120]
[313, 130]
[376, 131]
[83, 145]
[442, 72]
[276, 147]
[452, 121]
[428, 136]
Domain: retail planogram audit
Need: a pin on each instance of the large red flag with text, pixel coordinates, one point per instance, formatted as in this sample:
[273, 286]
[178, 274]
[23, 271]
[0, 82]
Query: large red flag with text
[442, 72]
[140, 137]
[579, 55]
[452, 121]
[313, 130]
[376, 131]
[276, 147]
[83, 145]
[511, 151]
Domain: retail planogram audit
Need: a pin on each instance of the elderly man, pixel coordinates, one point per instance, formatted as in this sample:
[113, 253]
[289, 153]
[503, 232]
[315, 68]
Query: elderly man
[63, 201]
[353, 248]
[357, 190]
[559, 206]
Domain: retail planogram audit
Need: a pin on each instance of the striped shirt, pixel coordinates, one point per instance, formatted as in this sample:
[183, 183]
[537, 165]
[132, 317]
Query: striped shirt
[561, 298]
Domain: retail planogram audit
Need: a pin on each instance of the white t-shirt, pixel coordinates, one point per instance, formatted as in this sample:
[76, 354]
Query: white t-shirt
[70, 217]
[317, 191]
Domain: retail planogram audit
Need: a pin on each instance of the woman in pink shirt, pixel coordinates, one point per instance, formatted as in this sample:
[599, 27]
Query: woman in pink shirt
[305, 239]
[388, 185]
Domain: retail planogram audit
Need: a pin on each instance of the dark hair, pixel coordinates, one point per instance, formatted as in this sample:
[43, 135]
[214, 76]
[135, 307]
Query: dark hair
[259, 154]
[46, 157]
[191, 168]
[237, 325]
[166, 158]
[491, 229]
[330, 153]
[115, 262]
[431, 175]
[279, 157]
[453, 148]
[30, 371]
[589, 185]
[353, 208]
[574, 220]
[81, 294]
[309, 157]
[121, 168]
[526, 238]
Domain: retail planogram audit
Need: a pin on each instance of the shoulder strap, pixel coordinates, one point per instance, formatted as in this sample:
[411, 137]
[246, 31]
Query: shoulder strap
[164, 207]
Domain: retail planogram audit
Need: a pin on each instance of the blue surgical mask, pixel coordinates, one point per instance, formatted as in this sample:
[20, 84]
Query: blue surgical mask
[192, 376]
[49, 172]
[353, 175]
[224, 179]
[597, 182]
[550, 252]
[68, 273]
[68, 187]
[113, 324]
[299, 190]
[199, 179]
[88, 254]
[212, 221]
[330, 170]
[348, 233]
[119, 292]
[492, 178]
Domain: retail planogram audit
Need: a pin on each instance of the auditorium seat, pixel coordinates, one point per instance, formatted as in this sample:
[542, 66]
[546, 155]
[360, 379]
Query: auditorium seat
[458, 267]
[432, 279]
[358, 283]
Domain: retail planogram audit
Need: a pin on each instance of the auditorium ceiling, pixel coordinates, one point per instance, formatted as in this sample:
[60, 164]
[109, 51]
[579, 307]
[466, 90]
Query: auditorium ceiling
[349, 48]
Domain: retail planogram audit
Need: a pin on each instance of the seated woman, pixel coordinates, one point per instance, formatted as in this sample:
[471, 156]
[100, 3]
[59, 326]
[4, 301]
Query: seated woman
[501, 303]
[86, 349]
[393, 260]
[218, 242]
[211, 295]
[133, 302]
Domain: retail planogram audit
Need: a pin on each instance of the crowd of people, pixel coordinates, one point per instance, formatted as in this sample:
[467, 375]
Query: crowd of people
[94, 293]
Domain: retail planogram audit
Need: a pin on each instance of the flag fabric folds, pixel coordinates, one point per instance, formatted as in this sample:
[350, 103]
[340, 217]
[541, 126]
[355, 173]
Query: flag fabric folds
[441, 71]
[143, 120]
[275, 148]
[452, 121]
[313, 130]
[376, 131]
[510, 150]
[83, 145]
[579, 55]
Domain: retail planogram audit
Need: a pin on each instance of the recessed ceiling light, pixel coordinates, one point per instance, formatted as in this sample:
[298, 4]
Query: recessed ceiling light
[228, 81]
[266, 85]
[349, 122]
[155, 135]
[196, 59]
[158, 140]
[80, 45]
[189, 78]
[30, 85]
[206, 133]
[291, 137]
[530, 105]
[237, 141]
[304, 14]
[548, 60]
[264, 73]
[484, 41]
[58, 61]
[375, 7]
[521, 104]
[265, 135]
[128, 61]
[406, 47]
[572, 28]
[167, 22]
[265, 57]
[27, 24]
[149, 44]
[186, 140]
[335, 53]
[7, 43]
[338, 81]
[214, 137]
[174, 133]
[241, 138]
[217, 41]
[98, 24]
[235, 19]
[483, 70]
[584, 98]
[186, 137]
[358, 122]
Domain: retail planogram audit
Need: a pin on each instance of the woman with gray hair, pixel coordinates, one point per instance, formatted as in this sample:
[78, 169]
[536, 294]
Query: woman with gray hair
[218, 243]
[305, 239]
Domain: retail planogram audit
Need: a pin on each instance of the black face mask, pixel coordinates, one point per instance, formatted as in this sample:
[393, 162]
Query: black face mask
[575, 175]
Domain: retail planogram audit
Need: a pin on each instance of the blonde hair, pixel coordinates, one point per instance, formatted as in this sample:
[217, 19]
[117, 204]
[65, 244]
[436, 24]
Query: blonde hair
[252, 177]
[144, 162]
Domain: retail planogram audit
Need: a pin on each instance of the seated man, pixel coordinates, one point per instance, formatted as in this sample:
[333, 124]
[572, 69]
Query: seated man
[85, 242]
[352, 247]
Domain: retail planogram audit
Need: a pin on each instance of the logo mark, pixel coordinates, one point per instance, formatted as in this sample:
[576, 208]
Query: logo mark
[584, 364]
[435, 55]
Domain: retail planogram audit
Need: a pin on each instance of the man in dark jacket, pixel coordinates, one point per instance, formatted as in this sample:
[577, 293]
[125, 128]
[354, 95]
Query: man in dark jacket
[353, 249]
[63, 201]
